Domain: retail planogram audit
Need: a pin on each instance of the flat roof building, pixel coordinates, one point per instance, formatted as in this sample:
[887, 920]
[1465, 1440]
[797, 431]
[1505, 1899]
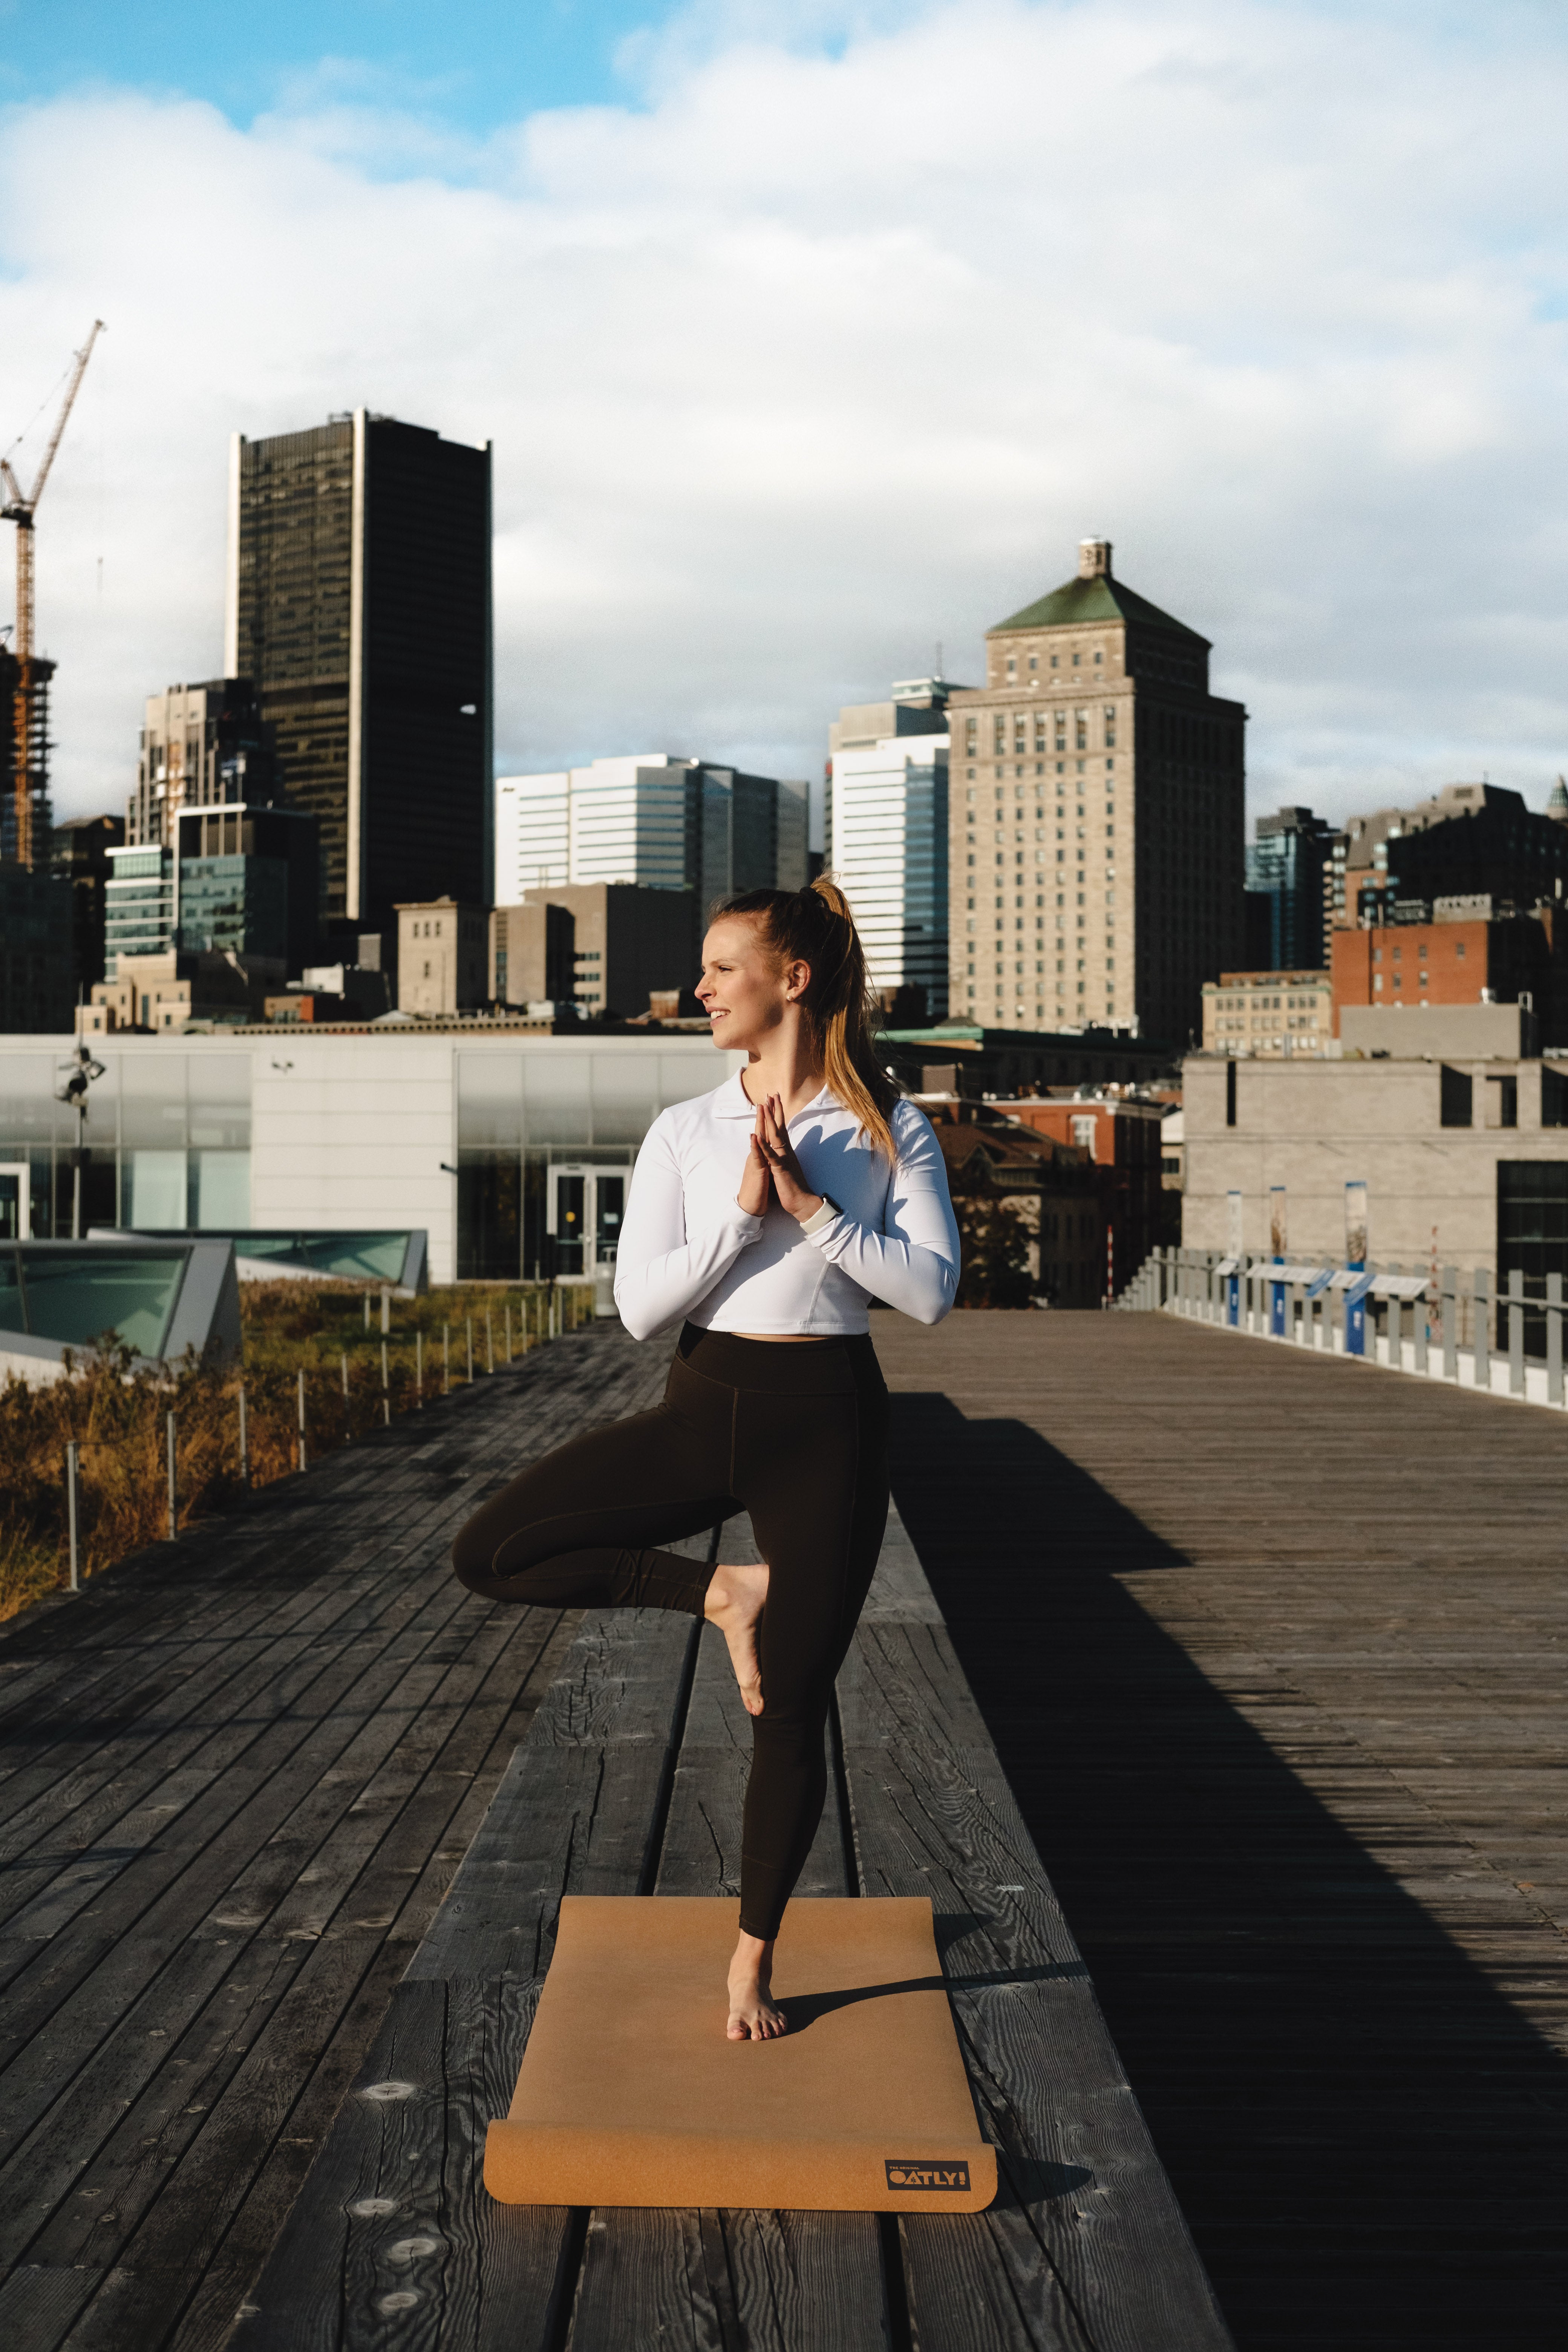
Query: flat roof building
[665, 822]
[359, 603]
[1272, 1014]
[511, 1151]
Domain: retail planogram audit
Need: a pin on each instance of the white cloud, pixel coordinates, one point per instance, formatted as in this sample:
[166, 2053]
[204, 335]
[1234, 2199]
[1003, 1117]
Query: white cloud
[814, 359]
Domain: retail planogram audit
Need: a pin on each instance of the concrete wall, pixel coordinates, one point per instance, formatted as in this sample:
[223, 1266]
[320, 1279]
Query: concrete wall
[1315, 1127]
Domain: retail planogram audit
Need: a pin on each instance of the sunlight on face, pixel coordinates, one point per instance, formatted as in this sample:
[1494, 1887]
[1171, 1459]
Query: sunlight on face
[742, 990]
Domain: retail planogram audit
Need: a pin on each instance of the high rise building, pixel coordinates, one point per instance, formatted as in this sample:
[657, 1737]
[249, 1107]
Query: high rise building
[25, 815]
[605, 947]
[888, 841]
[1286, 863]
[247, 881]
[139, 904]
[81, 857]
[201, 745]
[1097, 816]
[671, 824]
[1465, 840]
[359, 601]
[34, 948]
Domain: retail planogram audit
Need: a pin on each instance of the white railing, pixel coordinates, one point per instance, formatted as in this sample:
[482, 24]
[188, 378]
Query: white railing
[1452, 1329]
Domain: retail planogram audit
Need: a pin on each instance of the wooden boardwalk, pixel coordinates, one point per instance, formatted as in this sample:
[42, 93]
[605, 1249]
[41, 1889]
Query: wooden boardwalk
[1273, 1647]
[236, 1777]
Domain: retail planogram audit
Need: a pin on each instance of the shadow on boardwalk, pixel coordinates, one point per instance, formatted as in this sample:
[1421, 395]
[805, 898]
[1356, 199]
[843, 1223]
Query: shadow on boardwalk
[1366, 2137]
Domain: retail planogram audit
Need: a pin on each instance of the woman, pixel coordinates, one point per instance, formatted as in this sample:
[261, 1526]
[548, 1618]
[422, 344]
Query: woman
[762, 1217]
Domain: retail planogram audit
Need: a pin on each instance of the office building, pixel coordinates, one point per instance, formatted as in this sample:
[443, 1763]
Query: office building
[359, 601]
[666, 822]
[512, 1152]
[138, 903]
[1465, 840]
[1270, 1014]
[604, 946]
[80, 858]
[1097, 815]
[35, 990]
[887, 842]
[248, 880]
[441, 961]
[202, 747]
[1285, 862]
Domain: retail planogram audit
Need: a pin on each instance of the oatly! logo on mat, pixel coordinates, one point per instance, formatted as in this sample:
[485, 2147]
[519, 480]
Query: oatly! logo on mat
[924, 2172]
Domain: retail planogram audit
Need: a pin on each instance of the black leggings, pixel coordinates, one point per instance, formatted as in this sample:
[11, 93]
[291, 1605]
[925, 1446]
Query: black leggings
[795, 1433]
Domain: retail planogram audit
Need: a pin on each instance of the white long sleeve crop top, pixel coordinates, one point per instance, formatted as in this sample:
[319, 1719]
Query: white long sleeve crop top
[689, 1250]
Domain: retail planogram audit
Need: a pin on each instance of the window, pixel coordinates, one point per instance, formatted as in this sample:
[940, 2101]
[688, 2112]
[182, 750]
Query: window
[1110, 726]
[1456, 1098]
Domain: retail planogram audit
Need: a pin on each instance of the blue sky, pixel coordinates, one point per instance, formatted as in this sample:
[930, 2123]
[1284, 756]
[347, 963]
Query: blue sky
[809, 333]
[476, 63]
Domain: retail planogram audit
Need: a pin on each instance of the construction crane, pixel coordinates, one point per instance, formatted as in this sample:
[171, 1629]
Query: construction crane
[29, 768]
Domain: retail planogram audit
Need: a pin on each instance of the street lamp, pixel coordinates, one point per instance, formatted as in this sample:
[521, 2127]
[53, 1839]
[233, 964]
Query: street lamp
[79, 1073]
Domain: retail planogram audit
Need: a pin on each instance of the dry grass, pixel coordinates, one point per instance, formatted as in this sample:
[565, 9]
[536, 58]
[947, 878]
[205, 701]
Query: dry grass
[118, 1416]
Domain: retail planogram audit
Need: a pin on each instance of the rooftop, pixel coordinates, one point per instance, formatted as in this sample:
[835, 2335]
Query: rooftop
[1095, 594]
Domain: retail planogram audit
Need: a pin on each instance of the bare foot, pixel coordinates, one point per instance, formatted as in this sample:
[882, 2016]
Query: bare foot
[735, 1603]
[753, 2016]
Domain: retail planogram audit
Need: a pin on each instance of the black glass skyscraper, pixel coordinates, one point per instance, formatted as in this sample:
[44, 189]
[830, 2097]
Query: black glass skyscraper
[359, 601]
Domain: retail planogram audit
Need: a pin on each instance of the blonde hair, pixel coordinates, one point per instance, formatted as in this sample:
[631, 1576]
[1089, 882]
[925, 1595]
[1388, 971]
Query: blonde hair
[814, 926]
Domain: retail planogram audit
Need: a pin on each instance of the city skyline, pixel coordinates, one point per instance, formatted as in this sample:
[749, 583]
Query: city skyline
[1308, 381]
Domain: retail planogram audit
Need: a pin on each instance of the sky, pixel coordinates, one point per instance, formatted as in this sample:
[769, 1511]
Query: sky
[811, 339]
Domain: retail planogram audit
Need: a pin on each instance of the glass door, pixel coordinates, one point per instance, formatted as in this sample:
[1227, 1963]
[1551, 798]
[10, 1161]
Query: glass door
[15, 1204]
[583, 1209]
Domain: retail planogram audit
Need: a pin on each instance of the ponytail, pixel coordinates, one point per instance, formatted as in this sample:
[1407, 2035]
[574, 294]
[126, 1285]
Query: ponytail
[814, 926]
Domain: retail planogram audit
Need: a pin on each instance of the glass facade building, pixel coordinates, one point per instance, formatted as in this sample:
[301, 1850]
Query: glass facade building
[359, 601]
[167, 1138]
[670, 824]
[889, 848]
[1285, 912]
[138, 905]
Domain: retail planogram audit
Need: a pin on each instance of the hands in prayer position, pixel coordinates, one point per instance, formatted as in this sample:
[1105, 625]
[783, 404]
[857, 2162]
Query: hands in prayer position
[771, 1161]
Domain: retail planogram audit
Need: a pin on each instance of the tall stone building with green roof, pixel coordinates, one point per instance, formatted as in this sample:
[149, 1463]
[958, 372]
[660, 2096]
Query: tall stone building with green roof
[1098, 844]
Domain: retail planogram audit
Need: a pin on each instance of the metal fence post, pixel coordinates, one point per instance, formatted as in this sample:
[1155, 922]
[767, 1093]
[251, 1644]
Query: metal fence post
[1396, 1327]
[243, 1440]
[446, 1360]
[301, 1377]
[509, 1330]
[173, 1497]
[75, 1584]
[1450, 1297]
[470, 1348]
[1418, 1330]
[489, 1343]
[1516, 1333]
[1480, 1335]
[419, 1370]
[1555, 1339]
[385, 1389]
[385, 1310]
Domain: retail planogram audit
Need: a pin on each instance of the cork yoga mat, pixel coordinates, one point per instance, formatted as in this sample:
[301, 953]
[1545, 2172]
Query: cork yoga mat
[630, 2094]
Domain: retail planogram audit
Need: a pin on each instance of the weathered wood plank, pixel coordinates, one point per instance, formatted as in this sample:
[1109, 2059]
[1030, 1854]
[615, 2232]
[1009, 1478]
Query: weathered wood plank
[1087, 2244]
[313, 1705]
[769, 2281]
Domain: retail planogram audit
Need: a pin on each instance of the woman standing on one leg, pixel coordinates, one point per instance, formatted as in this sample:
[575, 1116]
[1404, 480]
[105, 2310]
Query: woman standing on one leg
[763, 1217]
